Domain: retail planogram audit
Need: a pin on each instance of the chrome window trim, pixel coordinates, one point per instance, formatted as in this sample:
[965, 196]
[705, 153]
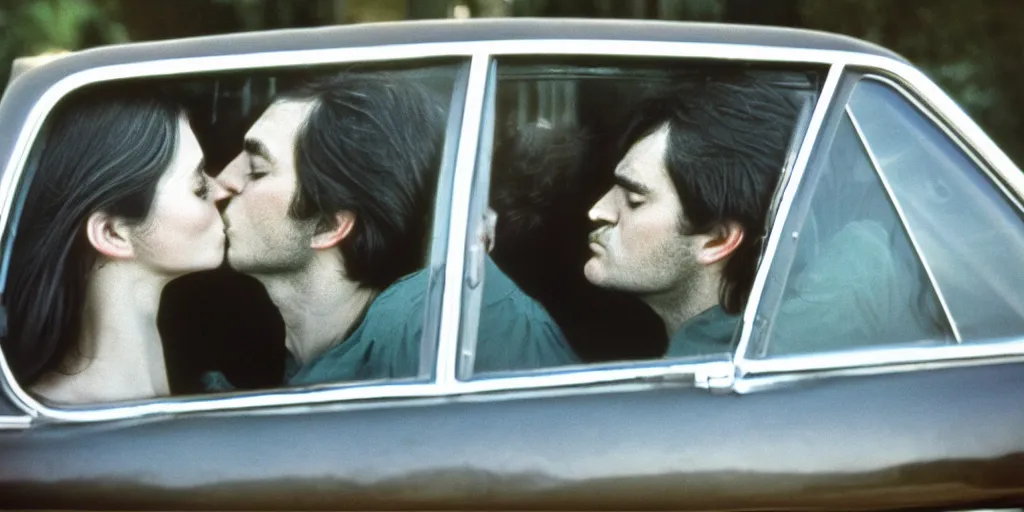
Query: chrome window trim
[465, 166]
[680, 372]
[15, 422]
[766, 380]
[795, 367]
[795, 178]
[969, 131]
[903, 222]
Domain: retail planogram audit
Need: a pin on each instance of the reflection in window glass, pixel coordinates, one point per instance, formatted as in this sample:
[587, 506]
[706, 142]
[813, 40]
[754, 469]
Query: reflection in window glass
[969, 232]
[604, 173]
[856, 280]
[277, 223]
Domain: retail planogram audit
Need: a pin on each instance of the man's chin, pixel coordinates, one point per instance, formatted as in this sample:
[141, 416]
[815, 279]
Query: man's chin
[594, 272]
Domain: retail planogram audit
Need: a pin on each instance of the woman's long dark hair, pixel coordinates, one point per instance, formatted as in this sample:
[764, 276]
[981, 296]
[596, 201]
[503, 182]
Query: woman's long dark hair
[104, 152]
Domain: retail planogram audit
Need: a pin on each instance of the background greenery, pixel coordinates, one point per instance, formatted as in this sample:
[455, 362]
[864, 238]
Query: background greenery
[974, 49]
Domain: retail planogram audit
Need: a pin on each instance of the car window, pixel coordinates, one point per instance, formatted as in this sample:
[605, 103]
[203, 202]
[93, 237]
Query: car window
[968, 230]
[904, 240]
[553, 157]
[229, 231]
[856, 279]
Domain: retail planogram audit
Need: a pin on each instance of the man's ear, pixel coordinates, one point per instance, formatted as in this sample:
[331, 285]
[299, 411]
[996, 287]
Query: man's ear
[109, 236]
[721, 242]
[328, 236]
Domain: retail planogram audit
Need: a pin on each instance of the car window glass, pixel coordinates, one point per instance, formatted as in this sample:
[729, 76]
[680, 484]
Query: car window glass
[970, 233]
[560, 130]
[231, 231]
[856, 279]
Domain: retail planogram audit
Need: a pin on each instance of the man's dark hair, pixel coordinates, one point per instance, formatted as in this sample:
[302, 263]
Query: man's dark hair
[371, 145]
[728, 136]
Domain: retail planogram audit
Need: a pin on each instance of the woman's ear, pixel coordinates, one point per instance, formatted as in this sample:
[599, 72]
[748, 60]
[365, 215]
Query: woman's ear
[720, 243]
[331, 236]
[109, 236]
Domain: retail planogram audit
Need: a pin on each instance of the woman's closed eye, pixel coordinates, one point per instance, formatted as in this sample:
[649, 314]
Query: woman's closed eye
[202, 190]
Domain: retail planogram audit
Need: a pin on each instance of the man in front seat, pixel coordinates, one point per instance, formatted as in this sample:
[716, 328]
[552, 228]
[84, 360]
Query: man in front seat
[681, 227]
[332, 197]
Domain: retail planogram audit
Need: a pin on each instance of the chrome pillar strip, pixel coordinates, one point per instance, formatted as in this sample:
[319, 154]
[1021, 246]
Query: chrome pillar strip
[465, 166]
[442, 213]
[906, 226]
[475, 250]
[788, 195]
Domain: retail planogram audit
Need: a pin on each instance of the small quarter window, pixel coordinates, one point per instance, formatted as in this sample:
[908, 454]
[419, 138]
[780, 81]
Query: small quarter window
[898, 238]
[856, 279]
[969, 230]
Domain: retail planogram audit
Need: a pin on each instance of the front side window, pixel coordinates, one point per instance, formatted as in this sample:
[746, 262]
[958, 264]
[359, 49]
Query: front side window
[230, 231]
[625, 207]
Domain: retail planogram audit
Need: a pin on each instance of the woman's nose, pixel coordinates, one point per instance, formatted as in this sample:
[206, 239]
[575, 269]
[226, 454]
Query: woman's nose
[219, 191]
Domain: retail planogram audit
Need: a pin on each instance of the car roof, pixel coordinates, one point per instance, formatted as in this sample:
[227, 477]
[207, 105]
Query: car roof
[492, 29]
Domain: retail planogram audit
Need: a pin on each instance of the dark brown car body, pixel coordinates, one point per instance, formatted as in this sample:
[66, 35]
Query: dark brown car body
[944, 434]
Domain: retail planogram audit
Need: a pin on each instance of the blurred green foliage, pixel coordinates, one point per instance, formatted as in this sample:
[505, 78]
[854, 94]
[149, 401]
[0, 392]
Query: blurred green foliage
[975, 50]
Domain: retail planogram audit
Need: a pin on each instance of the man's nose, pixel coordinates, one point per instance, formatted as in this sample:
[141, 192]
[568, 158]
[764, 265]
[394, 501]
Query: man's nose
[232, 179]
[602, 212]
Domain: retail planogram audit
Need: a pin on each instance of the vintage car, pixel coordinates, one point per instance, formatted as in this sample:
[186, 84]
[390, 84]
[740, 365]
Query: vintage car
[878, 364]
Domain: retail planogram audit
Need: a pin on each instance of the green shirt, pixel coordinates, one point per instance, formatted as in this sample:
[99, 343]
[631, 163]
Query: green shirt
[516, 333]
[707, 333]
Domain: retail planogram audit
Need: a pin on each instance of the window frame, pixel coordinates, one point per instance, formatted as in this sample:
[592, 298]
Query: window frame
[726, 373]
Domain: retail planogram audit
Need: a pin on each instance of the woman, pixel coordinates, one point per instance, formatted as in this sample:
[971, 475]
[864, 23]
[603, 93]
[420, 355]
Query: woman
[119, 206]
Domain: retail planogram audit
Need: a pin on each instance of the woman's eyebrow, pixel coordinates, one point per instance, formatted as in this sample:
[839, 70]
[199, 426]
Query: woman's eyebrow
[201, 168]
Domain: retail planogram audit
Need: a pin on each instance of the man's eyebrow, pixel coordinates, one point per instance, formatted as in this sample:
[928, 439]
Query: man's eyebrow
[257, 148]
[631, 185]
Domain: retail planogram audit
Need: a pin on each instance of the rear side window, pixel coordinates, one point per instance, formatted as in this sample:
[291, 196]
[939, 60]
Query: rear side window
[580, 199]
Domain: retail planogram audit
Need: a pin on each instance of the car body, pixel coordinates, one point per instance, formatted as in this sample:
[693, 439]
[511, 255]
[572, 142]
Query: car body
[924, 426]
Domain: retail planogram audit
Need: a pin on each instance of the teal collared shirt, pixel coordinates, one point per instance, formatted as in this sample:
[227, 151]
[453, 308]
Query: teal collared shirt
[516, 333]
[707, 333]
